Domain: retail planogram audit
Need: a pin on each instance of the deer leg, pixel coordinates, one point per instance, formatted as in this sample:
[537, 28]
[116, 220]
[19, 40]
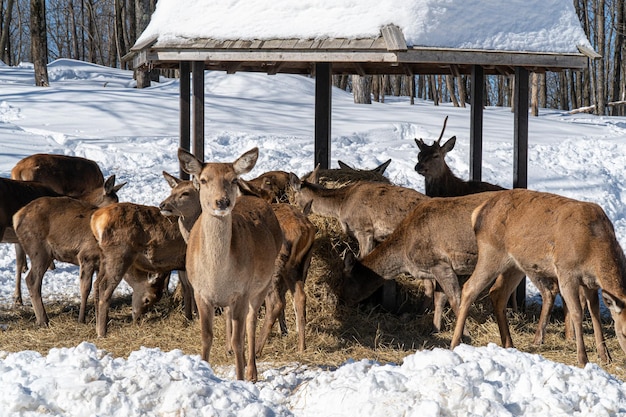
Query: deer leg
[485, 273]
[251, 319]
[570, 293]
[449, 283]
[206, 312]
[500, 293]
[239, 313]
[593, 303]
[108, 279]
[274, 306]
[189, 304]
[20, 268]
[299, 303]
[549, 290]
[34, 280]
[88, 266]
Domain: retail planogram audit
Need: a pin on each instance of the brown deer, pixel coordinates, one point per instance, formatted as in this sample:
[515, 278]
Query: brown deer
[295, 258]
[58, 228]
[545, 235]
[368, 211]
[439, 180]
[70, 176]
[274, 185]
[231, 253]
[134, 239]
[435, 241]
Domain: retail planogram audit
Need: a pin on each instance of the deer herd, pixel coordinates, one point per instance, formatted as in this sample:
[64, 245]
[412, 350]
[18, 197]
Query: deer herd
[238, 244]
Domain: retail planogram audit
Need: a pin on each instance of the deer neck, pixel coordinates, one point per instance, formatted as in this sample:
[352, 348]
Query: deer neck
[445, 185]
[217, 235]
[187, 221]
[383, 262]
[328, 202]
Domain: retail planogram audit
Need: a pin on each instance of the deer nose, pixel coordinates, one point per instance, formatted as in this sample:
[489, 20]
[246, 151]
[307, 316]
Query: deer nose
[223, 203]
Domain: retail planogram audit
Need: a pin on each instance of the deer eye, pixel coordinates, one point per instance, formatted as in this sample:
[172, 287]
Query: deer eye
[185, 194]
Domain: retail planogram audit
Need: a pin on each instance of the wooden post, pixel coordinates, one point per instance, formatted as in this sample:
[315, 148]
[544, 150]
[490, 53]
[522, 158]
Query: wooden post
[198, 109]
[323, 99]
[185, 114]
[520, 151]
[476, 123]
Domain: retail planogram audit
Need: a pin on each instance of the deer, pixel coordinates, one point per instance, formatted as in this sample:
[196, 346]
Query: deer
[273, 185]
[434, 241]
[299, 233]
[71, 176]
[368, 211]
[295, 256]
[232, 253]
[58, 228]
[133, 239]
[521, 232]
[439, 180]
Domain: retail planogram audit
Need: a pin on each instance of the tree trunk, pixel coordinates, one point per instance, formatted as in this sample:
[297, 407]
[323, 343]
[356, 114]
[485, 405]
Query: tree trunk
[617, 56]
[361, 89]
[534, 94]
[4, 38]
[120, 43]
[39, 42]
[142, 14]
[450, 86]
[601, 49]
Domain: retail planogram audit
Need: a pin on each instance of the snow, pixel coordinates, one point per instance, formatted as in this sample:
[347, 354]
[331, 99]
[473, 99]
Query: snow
[94, 112]
[547, 26]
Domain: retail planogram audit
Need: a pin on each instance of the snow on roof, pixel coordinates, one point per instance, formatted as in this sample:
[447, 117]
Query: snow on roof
[512, 25]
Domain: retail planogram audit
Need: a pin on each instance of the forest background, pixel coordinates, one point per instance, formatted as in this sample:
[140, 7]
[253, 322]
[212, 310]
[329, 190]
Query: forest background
[103, 31]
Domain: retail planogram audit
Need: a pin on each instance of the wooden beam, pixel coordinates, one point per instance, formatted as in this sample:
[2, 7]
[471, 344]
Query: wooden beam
[323, 101]
[520, 152]
[476, 123]
[198, 109]
[185, 113]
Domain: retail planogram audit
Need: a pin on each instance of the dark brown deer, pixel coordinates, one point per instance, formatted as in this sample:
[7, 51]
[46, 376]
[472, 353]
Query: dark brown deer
[368, 211]
[274, 184]
[545, 235]
[439, 180]
[58, 228]
[70, 176]
[134, 239]
[231, 253]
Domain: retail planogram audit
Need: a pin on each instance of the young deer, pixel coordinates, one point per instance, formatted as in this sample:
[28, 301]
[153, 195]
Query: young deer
[545, 235]
[231, 253]
[58, 228]
[137, 240]
[439, 180]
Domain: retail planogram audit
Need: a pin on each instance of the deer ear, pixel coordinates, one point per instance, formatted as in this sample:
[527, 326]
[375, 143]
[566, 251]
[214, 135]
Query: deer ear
[294, 182]
[449, 145]
[382, 167]
[348, 261]
[189, 163]
[344, 166]
[314, 177]
[614, 304]
[246, 162]
[171, 180]
[420, 143]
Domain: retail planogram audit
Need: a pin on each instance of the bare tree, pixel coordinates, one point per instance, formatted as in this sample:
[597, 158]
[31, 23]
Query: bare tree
[362, 89]
[39, 41]
[4, 38]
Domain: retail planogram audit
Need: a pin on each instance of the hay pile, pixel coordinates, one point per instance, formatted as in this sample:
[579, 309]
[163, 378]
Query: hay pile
[334, 332]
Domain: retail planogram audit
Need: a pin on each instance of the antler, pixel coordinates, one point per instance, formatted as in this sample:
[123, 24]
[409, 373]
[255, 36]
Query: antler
[443, 130]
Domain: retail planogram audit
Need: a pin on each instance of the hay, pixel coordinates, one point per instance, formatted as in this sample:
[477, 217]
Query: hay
[334, 332]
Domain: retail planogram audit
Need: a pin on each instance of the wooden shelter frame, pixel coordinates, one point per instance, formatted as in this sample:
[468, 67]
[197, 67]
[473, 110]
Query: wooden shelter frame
[387, 53]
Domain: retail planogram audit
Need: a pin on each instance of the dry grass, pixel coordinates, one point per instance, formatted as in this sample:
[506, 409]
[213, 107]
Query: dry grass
[334, 332]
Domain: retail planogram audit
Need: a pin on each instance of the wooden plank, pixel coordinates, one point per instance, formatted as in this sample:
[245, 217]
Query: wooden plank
[198, 109]
[323, 100]
[185, 114]
[520, 151]
[476, 123]
[394, 38]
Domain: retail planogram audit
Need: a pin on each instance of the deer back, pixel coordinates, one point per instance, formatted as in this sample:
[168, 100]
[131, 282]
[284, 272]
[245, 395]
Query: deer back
[72, 176]
[141, 232]
[16, 194]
